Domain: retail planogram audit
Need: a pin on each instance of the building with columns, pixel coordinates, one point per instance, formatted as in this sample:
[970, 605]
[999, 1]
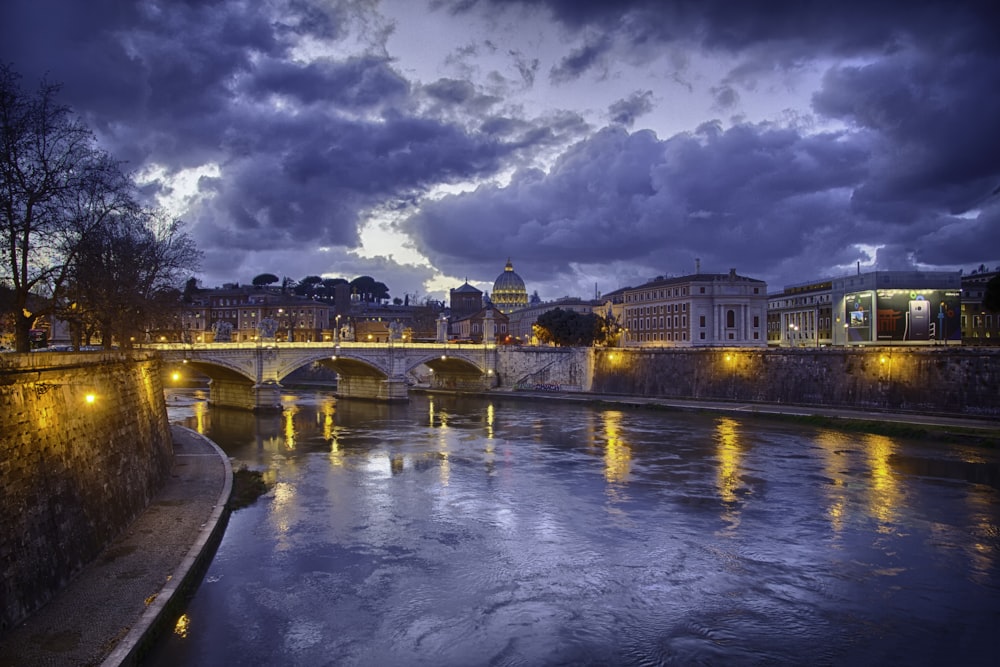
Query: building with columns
[699, 310]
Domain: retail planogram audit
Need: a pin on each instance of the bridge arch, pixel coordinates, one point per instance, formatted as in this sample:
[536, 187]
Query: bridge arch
[249, 375]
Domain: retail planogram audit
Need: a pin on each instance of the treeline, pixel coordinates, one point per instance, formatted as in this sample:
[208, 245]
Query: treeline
[365, 288]
[76, 241]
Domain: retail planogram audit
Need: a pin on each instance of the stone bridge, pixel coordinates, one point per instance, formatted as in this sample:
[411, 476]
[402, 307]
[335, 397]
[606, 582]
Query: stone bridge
[249, 375]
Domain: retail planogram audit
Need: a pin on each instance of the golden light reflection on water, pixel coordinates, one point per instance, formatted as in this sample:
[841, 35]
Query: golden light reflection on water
[489, 421]
[830, 443]
[883, 492]
[617, 452]
[727, 476]
[182, 626]
[288, 413]
[200, 416]
[728, 473]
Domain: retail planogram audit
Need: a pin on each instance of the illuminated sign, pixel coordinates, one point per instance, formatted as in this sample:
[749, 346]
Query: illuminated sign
[890, 315]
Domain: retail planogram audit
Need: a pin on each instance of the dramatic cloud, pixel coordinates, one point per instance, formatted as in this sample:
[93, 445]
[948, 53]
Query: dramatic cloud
[590, 141]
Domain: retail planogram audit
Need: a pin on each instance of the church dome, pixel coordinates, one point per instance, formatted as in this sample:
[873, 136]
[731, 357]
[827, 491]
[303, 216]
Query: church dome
[509, 292]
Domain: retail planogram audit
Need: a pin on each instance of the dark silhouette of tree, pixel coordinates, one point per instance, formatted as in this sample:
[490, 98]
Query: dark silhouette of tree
[369, 290]
[57, 190]
[569, 328]
[124, 277]
[308, 286]
[265, 279]
[991, 297]
[190, 289]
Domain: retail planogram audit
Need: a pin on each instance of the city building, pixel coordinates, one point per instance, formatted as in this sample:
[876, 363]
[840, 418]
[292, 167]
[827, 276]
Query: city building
[509, 293]
[897, 308]
[979, 326]
[703, 309]
[487, 322]
[801, 315]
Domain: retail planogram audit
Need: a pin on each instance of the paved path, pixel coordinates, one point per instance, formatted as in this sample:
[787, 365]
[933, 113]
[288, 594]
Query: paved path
[104, 614]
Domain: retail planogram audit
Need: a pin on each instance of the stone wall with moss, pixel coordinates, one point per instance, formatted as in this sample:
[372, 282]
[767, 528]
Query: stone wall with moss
[84, 446]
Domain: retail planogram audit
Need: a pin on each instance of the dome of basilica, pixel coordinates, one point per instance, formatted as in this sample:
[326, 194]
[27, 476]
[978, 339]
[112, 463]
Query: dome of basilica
[509, 292]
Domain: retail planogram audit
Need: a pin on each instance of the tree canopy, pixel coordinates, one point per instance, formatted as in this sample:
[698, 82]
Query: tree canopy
[569, 328]
[73, 237]
[265, 279]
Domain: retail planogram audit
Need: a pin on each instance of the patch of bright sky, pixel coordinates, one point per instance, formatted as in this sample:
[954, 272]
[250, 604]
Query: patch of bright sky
[179, 191]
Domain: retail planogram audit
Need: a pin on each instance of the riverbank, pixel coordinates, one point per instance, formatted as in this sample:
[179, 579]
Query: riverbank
[109, 612]
[982, 431]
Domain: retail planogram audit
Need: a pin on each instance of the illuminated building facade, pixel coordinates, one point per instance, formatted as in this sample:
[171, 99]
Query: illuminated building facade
[698, 310]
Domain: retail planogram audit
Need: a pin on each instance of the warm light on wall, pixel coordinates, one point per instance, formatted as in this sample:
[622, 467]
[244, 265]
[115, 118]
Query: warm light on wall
[90, 398]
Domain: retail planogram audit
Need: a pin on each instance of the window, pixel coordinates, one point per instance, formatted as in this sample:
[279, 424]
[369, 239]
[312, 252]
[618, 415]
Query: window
[756, 321]
[701, 323]
[703, 335]
[730, 320]
[702, 290]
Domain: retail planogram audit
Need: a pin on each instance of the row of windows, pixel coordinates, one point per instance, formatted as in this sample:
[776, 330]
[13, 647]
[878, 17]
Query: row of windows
[646, 323]
[799, 301]
[653, 310]
[649, 295]
[654, 337]
[502, 328]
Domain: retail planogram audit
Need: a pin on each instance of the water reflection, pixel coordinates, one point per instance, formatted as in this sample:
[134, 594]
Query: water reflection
[833, 448]
[617, 453]
[883, 494]
[728, 472]
[455, 531]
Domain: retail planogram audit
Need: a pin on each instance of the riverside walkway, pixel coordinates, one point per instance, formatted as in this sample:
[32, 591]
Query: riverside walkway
[112, 607]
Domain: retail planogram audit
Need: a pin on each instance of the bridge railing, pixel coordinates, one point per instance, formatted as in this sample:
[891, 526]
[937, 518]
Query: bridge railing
[328, 345]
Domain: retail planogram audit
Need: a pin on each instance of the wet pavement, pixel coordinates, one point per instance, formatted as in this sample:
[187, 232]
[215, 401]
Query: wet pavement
[108, 611]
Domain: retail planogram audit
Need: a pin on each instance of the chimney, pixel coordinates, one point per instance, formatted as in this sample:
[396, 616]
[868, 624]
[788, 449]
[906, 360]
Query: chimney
[732, 274]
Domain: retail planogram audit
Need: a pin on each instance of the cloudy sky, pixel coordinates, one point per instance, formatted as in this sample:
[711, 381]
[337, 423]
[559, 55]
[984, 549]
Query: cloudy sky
[593, 142]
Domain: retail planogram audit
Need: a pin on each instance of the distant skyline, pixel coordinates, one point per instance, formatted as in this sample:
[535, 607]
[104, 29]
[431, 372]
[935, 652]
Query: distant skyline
[424, 142]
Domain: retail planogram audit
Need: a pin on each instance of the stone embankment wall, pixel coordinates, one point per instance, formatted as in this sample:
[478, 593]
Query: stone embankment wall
[959, 380]
[73, 473]
[545, 368]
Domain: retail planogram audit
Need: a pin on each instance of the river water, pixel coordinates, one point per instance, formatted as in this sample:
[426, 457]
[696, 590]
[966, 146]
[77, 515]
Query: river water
[467, 531]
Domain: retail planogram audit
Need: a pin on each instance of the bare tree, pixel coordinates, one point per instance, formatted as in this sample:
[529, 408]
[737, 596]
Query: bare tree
[127, 275]
[56, 188]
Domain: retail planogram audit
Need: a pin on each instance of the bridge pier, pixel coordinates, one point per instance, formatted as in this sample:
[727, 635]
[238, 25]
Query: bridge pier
[374, 388]
[245, 396]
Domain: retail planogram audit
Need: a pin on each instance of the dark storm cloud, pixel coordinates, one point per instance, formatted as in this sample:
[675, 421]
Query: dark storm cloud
[357, 84]
[303, 149]
[620, 196]
[913, 82]
[625, 112]
[583, 59]
[805, 27]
